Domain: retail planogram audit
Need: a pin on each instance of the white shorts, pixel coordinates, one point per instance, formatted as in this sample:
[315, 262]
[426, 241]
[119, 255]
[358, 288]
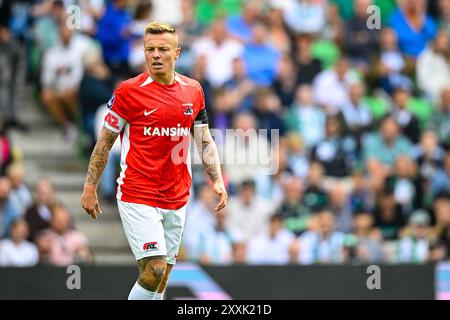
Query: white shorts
[152, 231]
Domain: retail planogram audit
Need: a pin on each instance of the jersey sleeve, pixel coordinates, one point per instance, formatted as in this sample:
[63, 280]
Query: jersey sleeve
[117, 115]
[202, 118]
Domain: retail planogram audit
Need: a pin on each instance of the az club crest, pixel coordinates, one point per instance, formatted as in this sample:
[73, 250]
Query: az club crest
[189, 109]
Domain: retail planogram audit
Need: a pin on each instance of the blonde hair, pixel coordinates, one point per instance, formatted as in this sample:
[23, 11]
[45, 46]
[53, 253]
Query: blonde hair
[157, 27]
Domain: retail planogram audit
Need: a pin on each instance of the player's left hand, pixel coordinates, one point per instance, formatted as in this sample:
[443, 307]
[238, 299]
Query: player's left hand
[220, 190]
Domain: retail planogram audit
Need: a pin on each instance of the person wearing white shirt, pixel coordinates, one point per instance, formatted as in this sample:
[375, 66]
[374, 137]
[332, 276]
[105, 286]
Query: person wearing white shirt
[323, 246]
[220, 52]
[215, 243]
[271, 247]
[434, 61]
[331, 86]
[17, 252]
[62, 71]
[248, 213]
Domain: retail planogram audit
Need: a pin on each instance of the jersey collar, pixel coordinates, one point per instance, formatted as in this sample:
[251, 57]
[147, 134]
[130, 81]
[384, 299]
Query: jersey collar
[150, 80]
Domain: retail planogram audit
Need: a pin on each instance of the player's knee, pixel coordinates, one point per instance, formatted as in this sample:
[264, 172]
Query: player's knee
[153, 274]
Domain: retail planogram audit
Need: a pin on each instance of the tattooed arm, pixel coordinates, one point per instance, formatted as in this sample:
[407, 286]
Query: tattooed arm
[97, 163]
[211, 162]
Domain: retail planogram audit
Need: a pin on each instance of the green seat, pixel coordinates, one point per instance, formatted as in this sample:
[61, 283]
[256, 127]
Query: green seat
[377, 106]
[326, 51]
[421, 108]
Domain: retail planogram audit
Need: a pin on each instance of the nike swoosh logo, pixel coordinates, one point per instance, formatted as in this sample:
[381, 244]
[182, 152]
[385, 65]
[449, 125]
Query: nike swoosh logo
[147, 113]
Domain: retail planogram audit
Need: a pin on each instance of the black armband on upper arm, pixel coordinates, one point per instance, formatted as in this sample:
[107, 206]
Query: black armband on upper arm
[202, 117]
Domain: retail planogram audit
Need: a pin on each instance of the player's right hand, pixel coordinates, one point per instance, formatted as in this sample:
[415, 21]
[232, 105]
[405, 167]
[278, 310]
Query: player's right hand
[89, 201]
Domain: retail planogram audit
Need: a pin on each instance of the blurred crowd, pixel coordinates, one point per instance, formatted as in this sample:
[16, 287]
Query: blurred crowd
[360, 97]
[36, 229]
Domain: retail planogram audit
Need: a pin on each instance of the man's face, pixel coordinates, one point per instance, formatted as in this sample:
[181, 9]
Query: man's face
[60, 221]
[389, 129]
[161, 51]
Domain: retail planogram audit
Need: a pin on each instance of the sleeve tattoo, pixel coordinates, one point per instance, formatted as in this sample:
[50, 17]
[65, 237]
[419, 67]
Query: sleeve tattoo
[100, 155]
[208, 152]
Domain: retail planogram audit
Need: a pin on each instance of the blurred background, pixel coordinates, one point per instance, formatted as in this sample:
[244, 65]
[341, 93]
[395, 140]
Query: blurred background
[362, 109]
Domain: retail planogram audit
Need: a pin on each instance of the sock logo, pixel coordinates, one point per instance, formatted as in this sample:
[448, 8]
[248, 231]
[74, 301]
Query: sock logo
[150, 246]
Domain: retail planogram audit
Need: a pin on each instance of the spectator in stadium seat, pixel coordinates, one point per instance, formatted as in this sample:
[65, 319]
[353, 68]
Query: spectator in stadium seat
[308, 67]
[189, 30]
[60, 245]
[278, 35]
[406, 185]
[368, 247]
[331, 86]
[391, 64]
[428, 155]
[248, 213]
[96, 88]
[239, 90]
[315, 196]
[297, 158]
[239, 253]
[356, 116]
[45, 31]
[360, 43]
[38, 216]
[325, 245]
[17, 251]
[272, 246]
[20, 196]
[285, 84]
[382, 148]
[360, 198]
[142, 15]
[202, 209]
[306, 118]
[218, 50]
[339, 205]
[8, 213]
[414, 27]
[215, 243]
[246, 153]
[306, 16]
[261, 60]
[240, 26]
[337, 153]
[441, 180]
[440, 119]
[295, 213]
[415, 246]
[388, 217]
[434, 60]
[62, 71]
[115, 37]
[407, 121]
[267, 109]
[444, 14]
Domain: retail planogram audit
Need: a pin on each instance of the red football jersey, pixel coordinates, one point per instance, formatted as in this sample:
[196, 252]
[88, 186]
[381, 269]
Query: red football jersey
[154, 122]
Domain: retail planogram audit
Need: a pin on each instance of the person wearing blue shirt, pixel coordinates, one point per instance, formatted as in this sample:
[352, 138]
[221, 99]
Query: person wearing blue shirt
[8, 213]
[240, 26]
[260, 59]
[114, 36]
[413, 26]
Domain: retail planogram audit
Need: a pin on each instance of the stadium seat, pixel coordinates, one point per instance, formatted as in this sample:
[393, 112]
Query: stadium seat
[326, 51]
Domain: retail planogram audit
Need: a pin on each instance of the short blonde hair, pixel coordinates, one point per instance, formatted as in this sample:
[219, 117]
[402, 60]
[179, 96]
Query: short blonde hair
[157, 27]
